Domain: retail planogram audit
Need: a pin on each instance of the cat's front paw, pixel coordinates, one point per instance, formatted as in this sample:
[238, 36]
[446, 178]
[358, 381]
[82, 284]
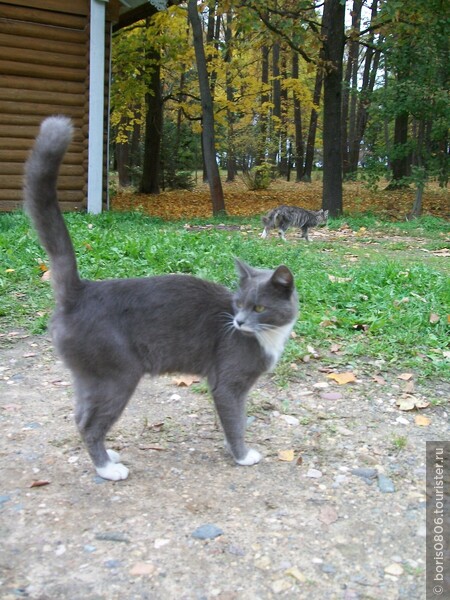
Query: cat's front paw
[114, 471]
[251, 458]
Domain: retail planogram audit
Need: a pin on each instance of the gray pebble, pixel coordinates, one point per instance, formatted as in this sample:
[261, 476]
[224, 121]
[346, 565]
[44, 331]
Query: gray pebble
[385, 484]
[112, 536]
[207, 532]
[112, 564]
[365, 472]
[327, 568]
[4, 499]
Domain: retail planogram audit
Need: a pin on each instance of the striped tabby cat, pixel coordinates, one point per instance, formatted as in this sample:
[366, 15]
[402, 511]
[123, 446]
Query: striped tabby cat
[284, 217]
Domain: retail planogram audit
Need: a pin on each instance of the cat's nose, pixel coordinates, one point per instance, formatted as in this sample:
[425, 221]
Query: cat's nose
[238, 322]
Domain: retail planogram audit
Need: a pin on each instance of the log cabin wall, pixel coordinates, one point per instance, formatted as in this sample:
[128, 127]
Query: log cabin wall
[44, 70]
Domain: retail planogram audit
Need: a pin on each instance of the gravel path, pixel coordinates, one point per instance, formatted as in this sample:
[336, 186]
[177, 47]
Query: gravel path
[335, 510]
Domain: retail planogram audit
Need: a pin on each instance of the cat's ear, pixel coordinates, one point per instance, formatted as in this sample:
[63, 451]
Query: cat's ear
[243, 269]
[283, 278]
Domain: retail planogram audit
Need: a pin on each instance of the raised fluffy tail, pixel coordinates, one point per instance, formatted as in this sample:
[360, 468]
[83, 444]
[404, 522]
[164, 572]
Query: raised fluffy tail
[41, 203]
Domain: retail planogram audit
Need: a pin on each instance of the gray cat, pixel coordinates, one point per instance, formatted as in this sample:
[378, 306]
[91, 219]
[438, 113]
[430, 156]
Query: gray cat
[110, 333]
[284, 217]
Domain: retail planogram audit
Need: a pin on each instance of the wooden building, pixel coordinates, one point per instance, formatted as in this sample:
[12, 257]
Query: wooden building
[55, 59]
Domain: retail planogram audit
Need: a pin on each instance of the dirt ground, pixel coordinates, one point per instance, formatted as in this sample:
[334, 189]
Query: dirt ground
[302, 524]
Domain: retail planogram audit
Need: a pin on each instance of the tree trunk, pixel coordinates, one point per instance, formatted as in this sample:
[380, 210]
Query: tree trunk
[350, 89]
[209, 146]
[333, 50]
[276, 99]
[153, 130]
[122, 155]
[311, 141]
[299, 144]
[264, 112]
[284, 158]
[231, 157]
[371, 62]
[400, 163]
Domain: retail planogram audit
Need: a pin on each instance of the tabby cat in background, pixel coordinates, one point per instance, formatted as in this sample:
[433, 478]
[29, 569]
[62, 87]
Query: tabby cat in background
[110, 333]
[284, 217]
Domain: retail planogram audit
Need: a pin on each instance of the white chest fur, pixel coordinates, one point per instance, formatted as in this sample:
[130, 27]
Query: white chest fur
[272, 341]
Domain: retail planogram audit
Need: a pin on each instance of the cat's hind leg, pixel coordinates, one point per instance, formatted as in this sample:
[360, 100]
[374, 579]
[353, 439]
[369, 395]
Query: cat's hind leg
[305, 232]
[99, 403]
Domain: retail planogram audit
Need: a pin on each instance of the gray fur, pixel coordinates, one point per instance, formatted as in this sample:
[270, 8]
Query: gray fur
[284, 217]
[110, 333]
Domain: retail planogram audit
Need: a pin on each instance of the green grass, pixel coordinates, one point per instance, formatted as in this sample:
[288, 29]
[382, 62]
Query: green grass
[377, 307]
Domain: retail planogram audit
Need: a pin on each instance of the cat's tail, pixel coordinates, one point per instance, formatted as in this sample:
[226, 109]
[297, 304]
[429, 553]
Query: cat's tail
[41, 203]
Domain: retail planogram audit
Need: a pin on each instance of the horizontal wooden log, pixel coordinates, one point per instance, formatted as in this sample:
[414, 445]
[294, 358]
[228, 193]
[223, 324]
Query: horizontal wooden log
[46, 17]
[35, 120]
[44, 85]
[15, 197]
[19, 131]
[41, 57]
[17, 168]
[75, 7]
[39, 31]
[7, 40]
[12, 182]
[43, 110]
[20, 156]
[41, 97]
[8, 67]
[24, 144]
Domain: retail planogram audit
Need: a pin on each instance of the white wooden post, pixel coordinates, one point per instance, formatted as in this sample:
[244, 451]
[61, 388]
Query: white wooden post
[96, 106]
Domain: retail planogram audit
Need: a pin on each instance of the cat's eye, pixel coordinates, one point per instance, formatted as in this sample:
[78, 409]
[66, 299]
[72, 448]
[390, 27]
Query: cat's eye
[258, 308]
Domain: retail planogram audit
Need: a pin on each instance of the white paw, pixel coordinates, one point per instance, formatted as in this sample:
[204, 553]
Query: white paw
[252, 457]
[113, 456]
[113, 471]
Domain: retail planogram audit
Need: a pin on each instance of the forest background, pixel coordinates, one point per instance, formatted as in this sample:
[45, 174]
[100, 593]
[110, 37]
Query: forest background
[284, 90]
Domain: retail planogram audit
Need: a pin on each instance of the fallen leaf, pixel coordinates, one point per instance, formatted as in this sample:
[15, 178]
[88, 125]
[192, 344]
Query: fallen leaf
[360, 326]
[335, 279]
[328, 323]
[9, 270]
[43, 267]
[335, 347]
[342, 378]
[406, 376]
[46, 276]
[296, 574]
[434, 318]
[185, 380]
[409, 387]
[378, 379]
[39, 483]
[286, 455]
[422, 421]
[408, 402]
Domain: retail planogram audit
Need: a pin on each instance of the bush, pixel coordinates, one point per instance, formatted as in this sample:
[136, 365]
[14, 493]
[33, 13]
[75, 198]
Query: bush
[258, 178]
